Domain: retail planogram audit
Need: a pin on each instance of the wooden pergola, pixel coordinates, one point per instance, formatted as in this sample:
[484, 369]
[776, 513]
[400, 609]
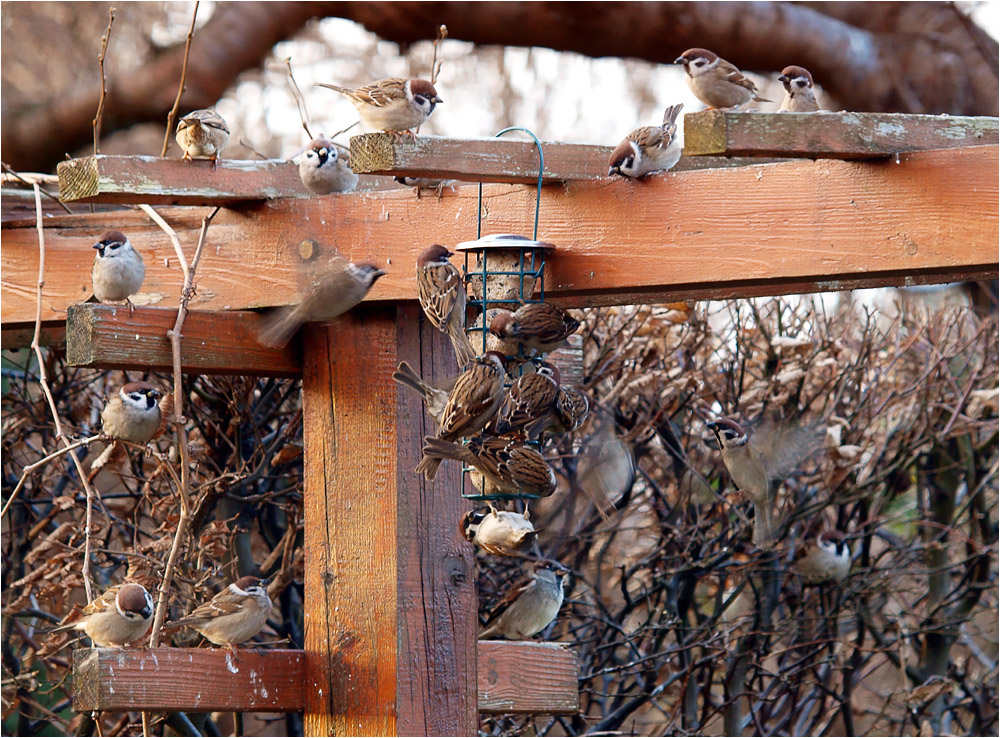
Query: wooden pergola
[762, 204]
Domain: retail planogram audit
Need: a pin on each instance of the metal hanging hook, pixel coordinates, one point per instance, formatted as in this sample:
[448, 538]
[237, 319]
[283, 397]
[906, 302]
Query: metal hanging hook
[538, 190]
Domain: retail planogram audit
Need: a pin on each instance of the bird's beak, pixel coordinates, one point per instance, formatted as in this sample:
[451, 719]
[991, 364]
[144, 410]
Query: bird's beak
[782, 78]
[379, 273]
[613, 171]
[680, 60]
[712, 425]
[265, 582]
[437, 100]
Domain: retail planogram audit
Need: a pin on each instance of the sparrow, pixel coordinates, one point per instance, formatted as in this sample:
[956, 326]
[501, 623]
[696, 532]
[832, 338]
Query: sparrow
[827, 558]
[322, 170]
[202, 134]
[648, 149]
[755, 461]
[434, 394]
[716, 82]
[234, 615]
[532, 396]
[118, 270]
[133, 414]
[498, 532]
[394, 104]
[572, 408]
[800, 97]
[426, 183]
[472, 403]
[530, 605]
[441, 290]
[336, 288]
[538, 326]
[119, 616]
[508, 465]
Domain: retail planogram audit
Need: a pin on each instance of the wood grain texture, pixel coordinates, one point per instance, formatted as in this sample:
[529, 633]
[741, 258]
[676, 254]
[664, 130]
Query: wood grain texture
[188, 679]
[217, 342]
[156, 181]
[436, 599]
[766, 229]
[350, 435]
[510, 159]
[51, 334]
[527, 677]
[522, 677]
[834, 135]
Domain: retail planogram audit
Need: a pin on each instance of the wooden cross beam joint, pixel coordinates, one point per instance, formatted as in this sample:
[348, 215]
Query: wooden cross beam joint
[274, 680]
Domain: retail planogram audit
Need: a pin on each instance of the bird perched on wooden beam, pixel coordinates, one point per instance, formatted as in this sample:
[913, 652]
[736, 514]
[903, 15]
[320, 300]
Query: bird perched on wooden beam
[202, 134]
[648, 149]
[716, 82]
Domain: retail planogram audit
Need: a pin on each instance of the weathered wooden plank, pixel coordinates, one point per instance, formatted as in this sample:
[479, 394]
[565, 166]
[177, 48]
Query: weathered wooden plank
[767, 229]
[216, 342]
[521, 677]
[188, 679]
[156, 181]
[509, 160]
[19, 336]
[436, 592]
[527, 677]
[834, 135]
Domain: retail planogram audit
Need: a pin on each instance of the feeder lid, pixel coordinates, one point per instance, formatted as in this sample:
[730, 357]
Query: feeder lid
[503, 241]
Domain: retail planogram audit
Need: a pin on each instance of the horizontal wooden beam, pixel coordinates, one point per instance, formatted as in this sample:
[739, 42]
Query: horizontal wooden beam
[830, 135]
[188, 679]
[17, 337]
[217, 342]
[766, 229]
[156, 181]
[513, 677]
[527, 678]
[499, 160]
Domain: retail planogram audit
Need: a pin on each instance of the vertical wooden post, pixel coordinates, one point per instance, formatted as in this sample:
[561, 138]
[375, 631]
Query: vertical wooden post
[390, 620]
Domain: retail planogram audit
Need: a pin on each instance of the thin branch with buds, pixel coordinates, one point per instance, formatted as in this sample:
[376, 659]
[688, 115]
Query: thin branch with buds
[104, 92]
[172, 115]
[300, 100]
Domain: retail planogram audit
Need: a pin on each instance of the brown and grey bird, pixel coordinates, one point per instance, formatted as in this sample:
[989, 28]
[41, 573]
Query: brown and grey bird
[133, 414]
[827, 558]
[531, 397]
[434, 394]
[648, 149]
[507, 464]
[441, 290]
[755, 461]
[499, 532]
[118, 271]
[202, 134]
[323, 170]
[530, 605]
[800, 96]
[393, 104]
[716, 82]
[119, 616]
[472, 403]
[336, 288]
[539, 327]
[233, 616]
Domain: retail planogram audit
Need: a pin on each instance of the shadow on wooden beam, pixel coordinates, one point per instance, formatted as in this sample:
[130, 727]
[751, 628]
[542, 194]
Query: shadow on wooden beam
[223, 342]
[272, 680]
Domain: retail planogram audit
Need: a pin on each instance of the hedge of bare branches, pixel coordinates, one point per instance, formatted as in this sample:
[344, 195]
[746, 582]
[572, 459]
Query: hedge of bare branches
[681, 626]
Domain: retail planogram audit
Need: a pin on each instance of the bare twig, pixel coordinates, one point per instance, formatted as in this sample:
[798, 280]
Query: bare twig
[44, 383]
[33, 178]
[172, 115]
[104, 91]
[41, 462]
[300, 100]
[183, 488]
[442, 34]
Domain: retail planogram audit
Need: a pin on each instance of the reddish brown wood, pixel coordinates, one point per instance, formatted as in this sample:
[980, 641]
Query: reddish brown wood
[188, 679]
[527, 677]
[836, 135]
[113, 337]
[390, 587]
[156, 181]
[436, 592]
[766, 229]
[19, 336]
